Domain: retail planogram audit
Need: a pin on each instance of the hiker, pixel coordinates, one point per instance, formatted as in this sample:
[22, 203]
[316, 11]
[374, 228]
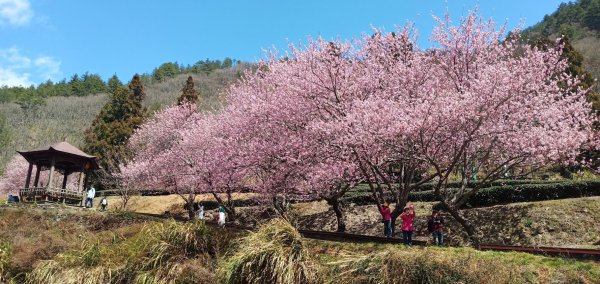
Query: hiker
[408, 217]
[103, 203]
[201, 212]
[386, 213]
[435, 226]
[90, 197]
[221, 220]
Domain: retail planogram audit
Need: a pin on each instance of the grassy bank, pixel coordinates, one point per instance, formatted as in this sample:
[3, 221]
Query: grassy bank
[83, 246]
[364, 263]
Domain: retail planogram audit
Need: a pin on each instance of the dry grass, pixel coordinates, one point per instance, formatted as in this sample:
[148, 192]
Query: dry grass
[31, 234]
[166, 252]
[69, 245]
[274, 254]
[355, 263]
[160, 203]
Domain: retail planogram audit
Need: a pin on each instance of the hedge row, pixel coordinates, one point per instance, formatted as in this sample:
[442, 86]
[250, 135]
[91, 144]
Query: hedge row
[456, 184]
[502, 194]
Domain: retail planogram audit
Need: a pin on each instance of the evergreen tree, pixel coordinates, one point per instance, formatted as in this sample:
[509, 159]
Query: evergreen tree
[114, 83]
[165, 71]
[189, 94]
[106, 138]
[227, 63]
[93, 84]
[76, 86]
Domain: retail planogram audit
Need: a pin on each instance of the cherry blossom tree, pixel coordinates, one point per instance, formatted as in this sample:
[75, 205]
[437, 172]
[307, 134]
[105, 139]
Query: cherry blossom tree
[159, 162]
[495, 106]
[380, 110]
[407, 116]
[274, 109]
[14, 176]
[180, 150]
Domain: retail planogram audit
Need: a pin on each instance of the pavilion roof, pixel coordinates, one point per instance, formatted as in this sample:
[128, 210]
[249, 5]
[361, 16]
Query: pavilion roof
[67, 157]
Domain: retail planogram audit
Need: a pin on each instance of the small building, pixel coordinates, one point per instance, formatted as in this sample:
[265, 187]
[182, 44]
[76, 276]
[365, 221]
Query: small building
[57, 158]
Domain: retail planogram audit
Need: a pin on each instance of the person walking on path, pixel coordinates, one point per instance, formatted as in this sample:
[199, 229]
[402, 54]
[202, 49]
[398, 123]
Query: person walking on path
[408, 217]
[91, 193]
[386, 213]
[435, 225]
[103, 203]
[221, 220]
[200, 212]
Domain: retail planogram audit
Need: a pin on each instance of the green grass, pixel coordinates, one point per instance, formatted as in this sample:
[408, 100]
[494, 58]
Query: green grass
[369, 263]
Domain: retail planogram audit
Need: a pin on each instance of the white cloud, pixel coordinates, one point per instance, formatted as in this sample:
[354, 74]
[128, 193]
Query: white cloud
[48, 68]
[10, 78]
[15, 12]
[20, 70]
[11, 58]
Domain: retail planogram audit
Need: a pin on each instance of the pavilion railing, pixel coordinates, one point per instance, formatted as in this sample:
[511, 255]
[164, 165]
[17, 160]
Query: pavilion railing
[33, 193]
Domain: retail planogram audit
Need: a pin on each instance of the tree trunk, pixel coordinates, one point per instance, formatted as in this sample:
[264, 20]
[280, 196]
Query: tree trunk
[191, 213]
[228, 206]
[190, 207]
[281, 208]
[401, 201]
[339, 213]
[467, 226]
[395, 215]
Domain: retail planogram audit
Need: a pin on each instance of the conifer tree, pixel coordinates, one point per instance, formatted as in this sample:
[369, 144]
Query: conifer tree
[189, 93]
[114, 83]
[110, 130]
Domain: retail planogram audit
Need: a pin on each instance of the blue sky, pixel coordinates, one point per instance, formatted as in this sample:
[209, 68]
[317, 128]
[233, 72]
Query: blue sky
[53, 39]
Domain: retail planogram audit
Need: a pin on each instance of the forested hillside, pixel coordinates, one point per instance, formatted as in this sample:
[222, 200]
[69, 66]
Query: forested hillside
[34, 118]
[580, 22]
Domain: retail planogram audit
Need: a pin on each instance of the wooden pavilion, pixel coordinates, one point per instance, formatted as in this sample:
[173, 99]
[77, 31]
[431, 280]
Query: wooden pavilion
[62, 158]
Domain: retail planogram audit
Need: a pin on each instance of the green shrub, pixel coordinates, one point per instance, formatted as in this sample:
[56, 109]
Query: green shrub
[502, 194]
[534, 192]
[274, 254]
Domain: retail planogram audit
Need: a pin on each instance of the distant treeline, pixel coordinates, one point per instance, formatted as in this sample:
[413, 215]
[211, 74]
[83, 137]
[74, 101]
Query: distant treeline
[569, 19]
[88, 84]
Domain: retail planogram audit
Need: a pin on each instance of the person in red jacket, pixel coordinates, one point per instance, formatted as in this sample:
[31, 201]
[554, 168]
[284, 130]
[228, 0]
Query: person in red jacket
[408, 217]
[386, 213]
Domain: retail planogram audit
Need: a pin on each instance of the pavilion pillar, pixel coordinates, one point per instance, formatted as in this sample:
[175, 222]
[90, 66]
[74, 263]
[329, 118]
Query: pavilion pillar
[82, 178]
[36, 181]
[65, 177]
[29, 175]
[50, 177]
[64, 186]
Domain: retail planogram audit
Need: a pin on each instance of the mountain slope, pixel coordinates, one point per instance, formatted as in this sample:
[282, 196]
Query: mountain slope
[580, 22]
[66, 118]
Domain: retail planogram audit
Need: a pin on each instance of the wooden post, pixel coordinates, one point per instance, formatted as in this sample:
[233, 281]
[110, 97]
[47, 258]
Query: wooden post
[51, 177]
[81, 186]
[64, 185]
[28, 175]
[36, 181]
[65, 177]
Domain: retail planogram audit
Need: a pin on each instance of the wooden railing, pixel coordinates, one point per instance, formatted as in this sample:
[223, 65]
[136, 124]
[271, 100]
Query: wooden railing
[45, 193]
